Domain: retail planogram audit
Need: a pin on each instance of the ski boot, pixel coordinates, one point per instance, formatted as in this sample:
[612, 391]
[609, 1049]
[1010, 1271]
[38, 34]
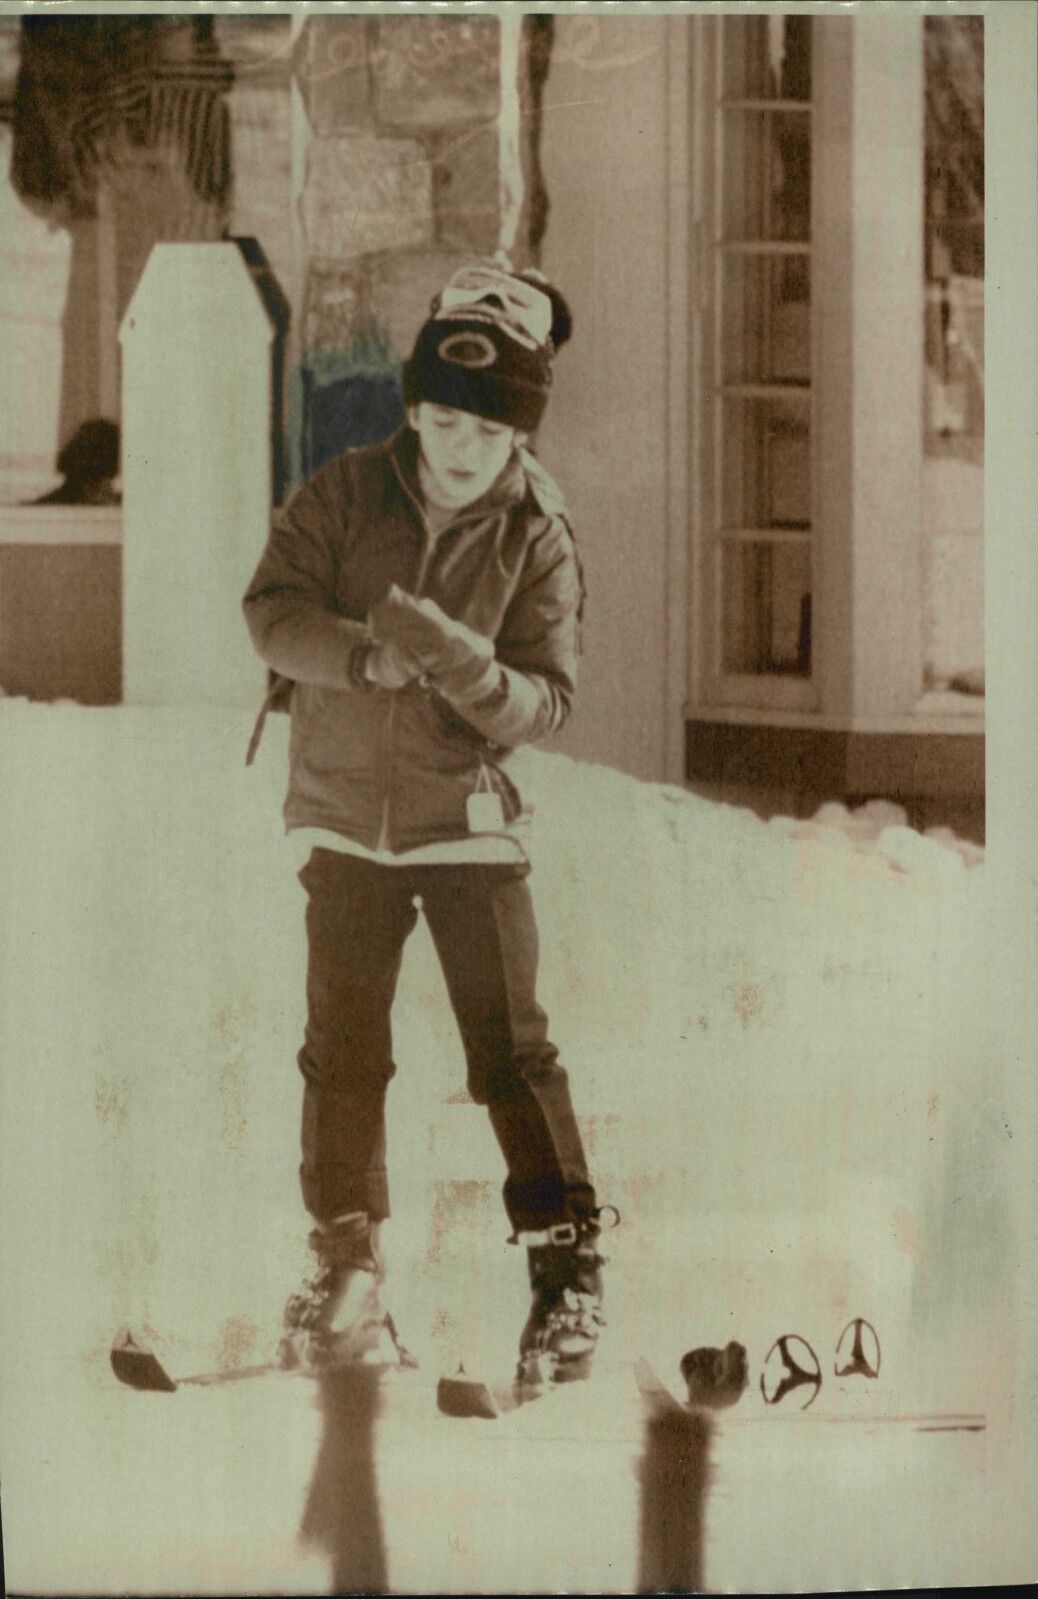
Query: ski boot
[561, 1332]
[337, 1317]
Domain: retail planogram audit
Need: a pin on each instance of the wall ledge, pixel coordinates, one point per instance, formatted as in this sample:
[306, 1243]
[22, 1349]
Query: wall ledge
[61, 524]
[831, 763]
[935, 713]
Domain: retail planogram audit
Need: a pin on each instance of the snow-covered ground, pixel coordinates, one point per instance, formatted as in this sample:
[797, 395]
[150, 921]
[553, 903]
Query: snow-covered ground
[784, 1056]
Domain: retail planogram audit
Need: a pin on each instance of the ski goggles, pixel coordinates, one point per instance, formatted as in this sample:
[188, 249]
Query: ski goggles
[486, 293]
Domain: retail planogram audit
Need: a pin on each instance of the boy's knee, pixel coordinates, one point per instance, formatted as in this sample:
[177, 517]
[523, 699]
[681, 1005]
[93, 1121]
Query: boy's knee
[344, 1070]
[542, 1067]
[513, 1077]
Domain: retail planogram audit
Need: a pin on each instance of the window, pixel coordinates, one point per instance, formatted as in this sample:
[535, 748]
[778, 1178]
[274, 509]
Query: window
[759, 362]
[839, 365]
[117, 132]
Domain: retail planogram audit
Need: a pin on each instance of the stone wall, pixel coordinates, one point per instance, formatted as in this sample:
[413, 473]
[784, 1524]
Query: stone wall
[259, 106]
[401, 169]
[418, 155]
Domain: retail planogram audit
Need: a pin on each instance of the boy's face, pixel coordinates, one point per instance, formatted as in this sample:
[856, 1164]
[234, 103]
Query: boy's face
[464, 454]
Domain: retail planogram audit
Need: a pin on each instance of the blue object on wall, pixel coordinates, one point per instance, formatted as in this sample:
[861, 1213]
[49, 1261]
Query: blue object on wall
[340, 399]
[356, 410]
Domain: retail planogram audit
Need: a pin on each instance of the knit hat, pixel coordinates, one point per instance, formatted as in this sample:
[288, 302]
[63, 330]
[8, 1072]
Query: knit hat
[488, 345]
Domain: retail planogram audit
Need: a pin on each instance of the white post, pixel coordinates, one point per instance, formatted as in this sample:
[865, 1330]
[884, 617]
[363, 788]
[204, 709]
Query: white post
[867, 287]
[196, 476]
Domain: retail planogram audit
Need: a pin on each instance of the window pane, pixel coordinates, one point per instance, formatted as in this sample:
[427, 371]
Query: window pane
[767, 608]
[767, 176]
[763, 349]
[953, 464]
[117, 133]
[766, 333]
[766, 479]
[767, 58]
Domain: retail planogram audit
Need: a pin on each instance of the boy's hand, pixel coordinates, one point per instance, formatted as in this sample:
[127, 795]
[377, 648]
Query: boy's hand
[387, 665]
[442, 647]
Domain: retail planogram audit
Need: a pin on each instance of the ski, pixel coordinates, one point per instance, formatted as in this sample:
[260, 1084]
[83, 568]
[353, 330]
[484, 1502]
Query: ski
[465, 1396]
[472, 1398]
[137, 1366]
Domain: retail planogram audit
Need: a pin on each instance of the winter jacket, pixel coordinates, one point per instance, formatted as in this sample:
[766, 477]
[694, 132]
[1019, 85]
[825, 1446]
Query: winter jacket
[394, 769]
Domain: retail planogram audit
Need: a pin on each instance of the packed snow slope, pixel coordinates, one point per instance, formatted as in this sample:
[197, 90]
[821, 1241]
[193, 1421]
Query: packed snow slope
[775, 1031]
[778, 1038]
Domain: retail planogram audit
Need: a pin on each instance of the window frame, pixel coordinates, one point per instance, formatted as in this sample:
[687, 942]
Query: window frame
[859, 491]
[713, 685]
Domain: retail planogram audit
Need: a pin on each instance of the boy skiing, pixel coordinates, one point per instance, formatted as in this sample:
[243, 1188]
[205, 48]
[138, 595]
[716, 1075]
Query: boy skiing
[423, 597]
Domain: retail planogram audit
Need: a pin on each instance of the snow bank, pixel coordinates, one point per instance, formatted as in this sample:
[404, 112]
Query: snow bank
[776, 1033]
[882, 824]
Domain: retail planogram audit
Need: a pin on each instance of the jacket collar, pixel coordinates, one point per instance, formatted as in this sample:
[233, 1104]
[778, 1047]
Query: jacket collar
[506, 490]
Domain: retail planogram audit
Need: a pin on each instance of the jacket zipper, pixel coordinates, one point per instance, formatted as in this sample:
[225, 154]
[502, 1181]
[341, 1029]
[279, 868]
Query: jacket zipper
[430, 544]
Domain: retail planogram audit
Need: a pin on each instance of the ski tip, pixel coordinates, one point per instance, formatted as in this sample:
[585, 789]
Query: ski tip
[651, 1385]
[134, 1365]
[465, 1396]
[657, 1396]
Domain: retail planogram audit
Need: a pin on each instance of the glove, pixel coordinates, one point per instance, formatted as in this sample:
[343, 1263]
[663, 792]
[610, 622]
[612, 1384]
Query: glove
[457, 660]
[389, 666]
[385, 665]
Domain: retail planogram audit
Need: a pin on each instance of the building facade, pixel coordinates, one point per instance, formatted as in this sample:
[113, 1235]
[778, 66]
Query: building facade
[769, 422]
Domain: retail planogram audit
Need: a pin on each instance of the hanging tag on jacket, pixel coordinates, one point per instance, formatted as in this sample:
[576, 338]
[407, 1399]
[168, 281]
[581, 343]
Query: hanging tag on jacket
[483, 806]
[485, 813]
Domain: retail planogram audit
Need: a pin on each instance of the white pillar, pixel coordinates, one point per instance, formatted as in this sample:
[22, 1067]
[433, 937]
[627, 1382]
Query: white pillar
[605, 435]
[196, 476]
[867, 205]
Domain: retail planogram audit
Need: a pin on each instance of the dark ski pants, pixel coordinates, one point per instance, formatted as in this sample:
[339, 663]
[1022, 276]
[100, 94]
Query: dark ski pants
[359, 915]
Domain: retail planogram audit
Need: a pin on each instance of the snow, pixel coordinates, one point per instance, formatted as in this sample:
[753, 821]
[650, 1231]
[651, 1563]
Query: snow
[784, 1059]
